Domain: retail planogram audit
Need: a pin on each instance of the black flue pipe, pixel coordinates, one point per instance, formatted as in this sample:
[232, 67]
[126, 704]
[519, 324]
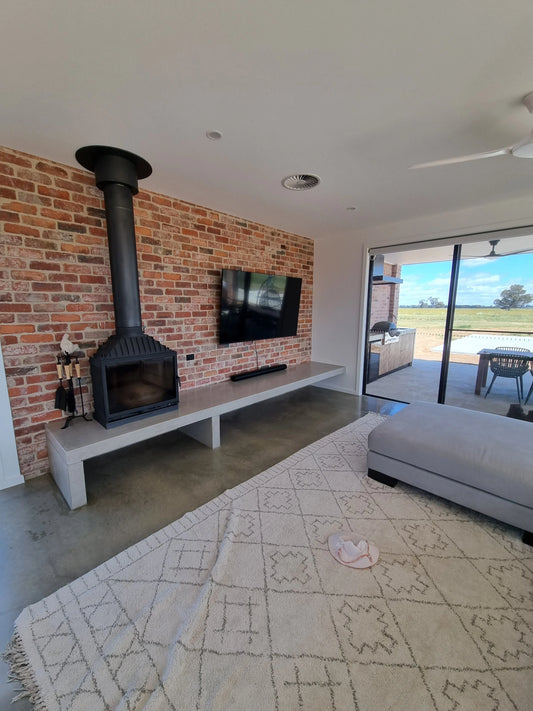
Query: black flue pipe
[116, 174]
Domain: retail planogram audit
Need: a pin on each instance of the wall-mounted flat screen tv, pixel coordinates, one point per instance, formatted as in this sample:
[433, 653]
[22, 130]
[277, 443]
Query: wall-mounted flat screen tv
[256, 306]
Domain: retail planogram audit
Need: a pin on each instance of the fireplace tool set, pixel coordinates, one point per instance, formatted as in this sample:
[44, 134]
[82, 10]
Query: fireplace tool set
[65, 398]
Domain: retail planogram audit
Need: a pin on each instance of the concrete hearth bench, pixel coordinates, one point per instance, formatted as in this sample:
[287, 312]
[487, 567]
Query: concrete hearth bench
[198, 416]
[476, 459]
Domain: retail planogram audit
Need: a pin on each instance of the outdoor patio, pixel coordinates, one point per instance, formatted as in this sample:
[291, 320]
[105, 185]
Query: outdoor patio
[420, 381]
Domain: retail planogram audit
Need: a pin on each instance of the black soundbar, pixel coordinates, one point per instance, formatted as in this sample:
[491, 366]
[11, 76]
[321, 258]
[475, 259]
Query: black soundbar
[261, 371]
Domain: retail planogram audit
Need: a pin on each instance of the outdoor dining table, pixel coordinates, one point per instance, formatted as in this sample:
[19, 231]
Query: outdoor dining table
[485, 355]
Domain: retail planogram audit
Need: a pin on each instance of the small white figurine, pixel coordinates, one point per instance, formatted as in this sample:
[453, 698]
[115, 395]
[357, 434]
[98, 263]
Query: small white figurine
[67, 346]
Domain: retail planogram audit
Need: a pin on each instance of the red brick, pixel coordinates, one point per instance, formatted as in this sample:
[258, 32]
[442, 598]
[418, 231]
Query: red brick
[15, 307]
[18, 206]
[27, 275]
[21, 229]
[68, 206]
[76, 187]
[6, 216]
[76, 248]
[51, 168]
[34, 176]
[53, 192]
[37, 221]
[45, 286]
[45, 417]
[59, 256]
[7, 193]
[64, 277]
[18, 328]
[55, 214]
[37, 338]
[50, 266]
[15, 158]
[85, 220]
[71, 227]
[27, 185]
[91, 279]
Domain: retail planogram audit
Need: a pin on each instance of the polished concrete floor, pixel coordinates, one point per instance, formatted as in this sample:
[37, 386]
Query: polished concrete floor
[136, 491]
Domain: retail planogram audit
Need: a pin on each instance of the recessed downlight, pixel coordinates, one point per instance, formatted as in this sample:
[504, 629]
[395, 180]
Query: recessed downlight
[214, 135]
[301, 181]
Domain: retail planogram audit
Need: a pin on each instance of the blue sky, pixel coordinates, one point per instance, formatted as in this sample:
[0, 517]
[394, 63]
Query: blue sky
[480, 280]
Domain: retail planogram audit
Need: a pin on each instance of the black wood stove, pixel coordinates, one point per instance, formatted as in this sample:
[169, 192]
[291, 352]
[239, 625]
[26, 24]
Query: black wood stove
[133, 375]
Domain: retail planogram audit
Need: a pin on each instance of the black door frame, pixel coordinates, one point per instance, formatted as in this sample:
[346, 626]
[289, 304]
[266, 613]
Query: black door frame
[448, 328]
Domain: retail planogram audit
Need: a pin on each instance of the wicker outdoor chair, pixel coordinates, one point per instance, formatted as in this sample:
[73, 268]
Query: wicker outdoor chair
[509, 349]
[509, 366]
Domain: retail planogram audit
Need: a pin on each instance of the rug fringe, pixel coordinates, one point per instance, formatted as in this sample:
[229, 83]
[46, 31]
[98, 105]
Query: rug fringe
[20, 671]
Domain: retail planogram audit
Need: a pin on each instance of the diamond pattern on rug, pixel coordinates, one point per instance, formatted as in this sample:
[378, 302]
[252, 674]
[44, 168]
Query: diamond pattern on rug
[368, 633]
[405, 578]
[278, 501]
[467, 690]
[503, 637]
[241, 605]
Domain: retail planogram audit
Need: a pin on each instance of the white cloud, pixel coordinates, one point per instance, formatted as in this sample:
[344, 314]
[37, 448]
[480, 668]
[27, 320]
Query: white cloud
[476, 286]
[480, 288]
[476, 262]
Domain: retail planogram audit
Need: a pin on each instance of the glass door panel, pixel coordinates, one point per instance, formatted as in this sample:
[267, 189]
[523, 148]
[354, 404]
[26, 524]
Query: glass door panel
[493, 312]
[410, 292]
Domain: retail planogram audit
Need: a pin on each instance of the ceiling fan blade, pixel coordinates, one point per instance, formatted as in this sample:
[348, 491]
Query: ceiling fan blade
[496, 255]
[520, 251]
[464, 159]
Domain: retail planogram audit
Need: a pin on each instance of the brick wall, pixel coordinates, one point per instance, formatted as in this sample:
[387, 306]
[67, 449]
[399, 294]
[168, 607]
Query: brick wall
[386, 297]
[55, 279]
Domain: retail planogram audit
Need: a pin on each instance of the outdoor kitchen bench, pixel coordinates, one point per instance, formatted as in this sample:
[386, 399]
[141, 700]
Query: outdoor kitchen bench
[198, 416]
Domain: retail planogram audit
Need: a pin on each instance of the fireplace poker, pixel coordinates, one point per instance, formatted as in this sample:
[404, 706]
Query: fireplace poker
[78, 375]
[71, 398]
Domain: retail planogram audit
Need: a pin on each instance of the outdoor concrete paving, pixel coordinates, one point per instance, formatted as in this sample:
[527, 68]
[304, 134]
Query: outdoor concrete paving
[420, 381]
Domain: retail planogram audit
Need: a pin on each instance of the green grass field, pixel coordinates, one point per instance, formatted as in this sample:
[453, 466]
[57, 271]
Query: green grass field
[515, 320]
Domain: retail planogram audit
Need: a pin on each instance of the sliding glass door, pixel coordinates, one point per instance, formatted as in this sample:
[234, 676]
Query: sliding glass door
[439, 317]
[404, 360]
[492, 327]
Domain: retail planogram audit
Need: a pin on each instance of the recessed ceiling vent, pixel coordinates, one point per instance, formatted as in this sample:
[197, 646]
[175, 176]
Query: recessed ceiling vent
[301, 181]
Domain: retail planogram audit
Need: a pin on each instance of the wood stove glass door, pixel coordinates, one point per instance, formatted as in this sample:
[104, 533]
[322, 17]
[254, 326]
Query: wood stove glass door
[140, 384]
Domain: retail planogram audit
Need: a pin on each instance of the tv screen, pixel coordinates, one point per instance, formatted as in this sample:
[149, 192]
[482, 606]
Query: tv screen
[257, 306]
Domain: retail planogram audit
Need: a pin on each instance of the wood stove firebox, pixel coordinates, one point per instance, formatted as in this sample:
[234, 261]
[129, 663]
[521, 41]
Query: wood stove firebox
[133, 375]
[132, 386]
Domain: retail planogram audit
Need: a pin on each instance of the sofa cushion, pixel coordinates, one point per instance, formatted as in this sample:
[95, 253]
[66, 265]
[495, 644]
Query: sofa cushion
[489, 452]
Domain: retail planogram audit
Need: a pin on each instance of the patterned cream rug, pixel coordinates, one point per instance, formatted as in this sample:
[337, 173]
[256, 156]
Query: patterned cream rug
[240, 605]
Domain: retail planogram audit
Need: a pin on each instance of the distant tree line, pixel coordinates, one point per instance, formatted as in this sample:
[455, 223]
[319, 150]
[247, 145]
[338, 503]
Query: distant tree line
[431, 303]
[515, 297]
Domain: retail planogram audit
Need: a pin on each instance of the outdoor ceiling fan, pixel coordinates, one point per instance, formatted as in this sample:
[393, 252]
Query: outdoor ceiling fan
[493, 254]
[522, 149]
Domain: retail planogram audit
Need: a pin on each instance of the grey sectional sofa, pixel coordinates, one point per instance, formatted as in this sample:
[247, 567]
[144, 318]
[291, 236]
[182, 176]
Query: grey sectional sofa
[476, 459]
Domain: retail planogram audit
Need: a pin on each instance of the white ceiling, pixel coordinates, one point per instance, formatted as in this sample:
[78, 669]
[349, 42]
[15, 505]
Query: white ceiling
[352, 91]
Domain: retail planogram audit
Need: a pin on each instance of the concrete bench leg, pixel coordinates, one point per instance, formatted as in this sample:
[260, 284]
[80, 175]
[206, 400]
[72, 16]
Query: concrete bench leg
[70, 478]
[205, 431]
[527, 538]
